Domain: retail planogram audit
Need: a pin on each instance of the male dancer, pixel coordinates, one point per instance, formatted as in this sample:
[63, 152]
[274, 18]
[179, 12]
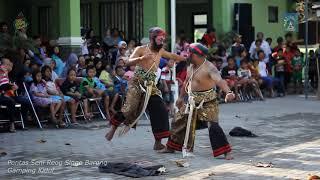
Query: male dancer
[142, 91]
[202, 78]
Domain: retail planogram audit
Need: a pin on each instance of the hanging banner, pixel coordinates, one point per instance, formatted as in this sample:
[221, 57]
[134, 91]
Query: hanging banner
[290, 22]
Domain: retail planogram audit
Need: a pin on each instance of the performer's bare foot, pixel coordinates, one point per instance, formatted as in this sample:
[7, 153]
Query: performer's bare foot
[110, 134]
[227, 156]
[158, 146]
[166, 150]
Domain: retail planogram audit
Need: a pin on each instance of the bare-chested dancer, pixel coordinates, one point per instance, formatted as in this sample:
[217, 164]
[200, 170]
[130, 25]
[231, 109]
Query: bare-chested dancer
[142, 92]
[202, 78]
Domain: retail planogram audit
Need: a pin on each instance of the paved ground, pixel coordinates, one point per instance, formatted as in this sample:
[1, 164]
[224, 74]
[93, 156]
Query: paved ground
[289, 137]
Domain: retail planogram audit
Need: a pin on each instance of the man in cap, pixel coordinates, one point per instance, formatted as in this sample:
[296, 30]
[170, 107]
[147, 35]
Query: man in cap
[142, 91]
[202, 78]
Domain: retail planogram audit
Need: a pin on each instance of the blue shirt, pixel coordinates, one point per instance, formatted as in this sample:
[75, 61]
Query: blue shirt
[59, 65]
[163, 63]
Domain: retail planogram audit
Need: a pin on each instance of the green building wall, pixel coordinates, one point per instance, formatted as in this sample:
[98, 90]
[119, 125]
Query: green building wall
[223, 16]
[156, 13]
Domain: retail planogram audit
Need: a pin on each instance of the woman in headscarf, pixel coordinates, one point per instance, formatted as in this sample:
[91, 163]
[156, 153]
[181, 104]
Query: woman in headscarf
[71, 63]
[55, 55]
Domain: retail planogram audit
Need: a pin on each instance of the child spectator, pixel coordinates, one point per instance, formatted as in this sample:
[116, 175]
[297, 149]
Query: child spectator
[98, 65]
[297, 64]
[106, 78]
[6, 88]
[81, 66]
[229, 73]
[71, 88]
[51, 63]
[244, 72]
[54, 91]
[130, 73]
[120, 62]
[89, 88]
[41, 98]
[120, 87]
[280, 63]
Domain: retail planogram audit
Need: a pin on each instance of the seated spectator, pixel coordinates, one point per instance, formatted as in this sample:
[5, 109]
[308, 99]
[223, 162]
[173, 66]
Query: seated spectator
[6, 88]
[122, 48]
[120, 62]
[41, 98]
[267, 80]
[106, 78]
[51, 63]
[120, 87]
[237, 48]
[71, 88]
[6, 91]
[11, 111]
[222, 54]
[55, 55]
[98, 65]
[71, 63]
[55, 92]
[244, 72]
[229, 73]
[130, 73]
[81, 66]
[218, 64]
[89, 88]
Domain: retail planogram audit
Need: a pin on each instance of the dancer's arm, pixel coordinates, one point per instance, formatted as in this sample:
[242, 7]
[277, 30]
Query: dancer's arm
[137, 56]
[175, 57]
[215, 75]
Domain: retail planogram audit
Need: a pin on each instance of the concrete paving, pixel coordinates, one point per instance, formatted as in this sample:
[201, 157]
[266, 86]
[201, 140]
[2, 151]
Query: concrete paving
[288, 130]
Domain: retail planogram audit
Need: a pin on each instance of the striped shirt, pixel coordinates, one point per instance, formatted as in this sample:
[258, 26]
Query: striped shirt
[4, 79]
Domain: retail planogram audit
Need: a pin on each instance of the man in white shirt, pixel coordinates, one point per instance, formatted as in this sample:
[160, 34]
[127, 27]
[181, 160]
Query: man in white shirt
[264, 46]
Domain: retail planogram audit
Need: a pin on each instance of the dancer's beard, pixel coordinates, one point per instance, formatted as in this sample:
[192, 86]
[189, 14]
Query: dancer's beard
[156, 46]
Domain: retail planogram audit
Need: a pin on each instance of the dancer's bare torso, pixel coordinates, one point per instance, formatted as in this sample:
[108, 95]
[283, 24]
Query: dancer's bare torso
[151, 58]
[205, 78]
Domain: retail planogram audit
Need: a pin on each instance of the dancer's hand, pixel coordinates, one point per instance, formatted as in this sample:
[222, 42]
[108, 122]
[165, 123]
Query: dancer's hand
[229, 97]
[147, 56]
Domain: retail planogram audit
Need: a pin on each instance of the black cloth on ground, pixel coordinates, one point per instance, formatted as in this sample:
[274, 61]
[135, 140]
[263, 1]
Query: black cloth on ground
[130, 169]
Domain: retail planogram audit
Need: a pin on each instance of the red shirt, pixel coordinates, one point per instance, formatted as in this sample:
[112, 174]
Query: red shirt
[288, 57]
[182, 75]
[209, 40]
